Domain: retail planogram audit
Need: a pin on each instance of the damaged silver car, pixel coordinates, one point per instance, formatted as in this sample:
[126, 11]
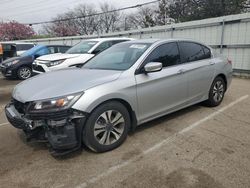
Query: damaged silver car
[124, 86]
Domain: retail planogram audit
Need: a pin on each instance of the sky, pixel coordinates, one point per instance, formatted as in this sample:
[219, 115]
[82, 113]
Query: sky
[30, 11]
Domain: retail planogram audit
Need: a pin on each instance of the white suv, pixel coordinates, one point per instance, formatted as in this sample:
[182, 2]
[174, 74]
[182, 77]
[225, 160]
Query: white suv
[75, 56]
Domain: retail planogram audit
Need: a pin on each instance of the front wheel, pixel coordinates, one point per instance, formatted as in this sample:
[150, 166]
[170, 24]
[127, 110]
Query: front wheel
[107, 127]
[216, 92]
[24, 73]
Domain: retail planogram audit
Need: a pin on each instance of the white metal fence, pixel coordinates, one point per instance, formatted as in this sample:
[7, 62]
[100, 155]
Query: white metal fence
[229, 35]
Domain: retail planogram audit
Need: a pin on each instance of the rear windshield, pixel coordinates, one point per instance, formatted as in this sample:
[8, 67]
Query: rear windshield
[82, 47]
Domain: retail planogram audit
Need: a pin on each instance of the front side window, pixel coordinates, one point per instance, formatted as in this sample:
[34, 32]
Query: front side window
[119, 57]
[167, 54]
[191, 51]
[103, 46]
[82, 47]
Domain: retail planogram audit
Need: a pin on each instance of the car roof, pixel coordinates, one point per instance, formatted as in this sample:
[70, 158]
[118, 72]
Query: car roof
[152, 40]
[108, 39]
[57, 45]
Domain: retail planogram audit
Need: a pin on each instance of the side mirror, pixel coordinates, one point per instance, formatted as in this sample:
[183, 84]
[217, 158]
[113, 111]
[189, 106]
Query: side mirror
[152, 67]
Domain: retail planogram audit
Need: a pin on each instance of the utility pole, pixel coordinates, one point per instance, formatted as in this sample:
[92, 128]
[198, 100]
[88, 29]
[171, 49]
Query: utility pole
[125, 24]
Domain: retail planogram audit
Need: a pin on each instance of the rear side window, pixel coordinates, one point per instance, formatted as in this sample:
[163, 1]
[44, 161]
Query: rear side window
[191, 51]
[167, 54]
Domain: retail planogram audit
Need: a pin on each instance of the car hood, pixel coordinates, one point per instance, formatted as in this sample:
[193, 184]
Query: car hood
[60, 56]
[25, 58]
[62, 82]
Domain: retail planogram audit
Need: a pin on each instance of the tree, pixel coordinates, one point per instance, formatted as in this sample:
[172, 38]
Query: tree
[109, 20]
[84, 20]
[187, 10]
[15, 31]
[143, 18]
[87, 19]
[67, 27]
[86, 25]
[162, 12]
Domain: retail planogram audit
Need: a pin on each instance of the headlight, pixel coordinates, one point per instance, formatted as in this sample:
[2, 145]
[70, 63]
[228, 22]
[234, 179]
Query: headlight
[12, 63]
[54, 63]
[54, 104]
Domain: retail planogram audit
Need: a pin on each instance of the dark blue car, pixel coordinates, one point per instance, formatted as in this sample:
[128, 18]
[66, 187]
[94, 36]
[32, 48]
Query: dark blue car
[21, 67]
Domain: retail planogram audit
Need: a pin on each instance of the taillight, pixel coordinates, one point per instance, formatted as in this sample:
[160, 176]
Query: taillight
[1, 49]
[229, 61]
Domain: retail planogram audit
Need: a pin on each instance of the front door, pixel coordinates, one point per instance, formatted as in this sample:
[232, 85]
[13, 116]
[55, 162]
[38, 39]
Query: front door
[161, 92]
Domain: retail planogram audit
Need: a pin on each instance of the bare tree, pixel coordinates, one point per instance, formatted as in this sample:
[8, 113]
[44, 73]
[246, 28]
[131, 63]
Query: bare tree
[86, 24]
[144, 17]
[109, 20]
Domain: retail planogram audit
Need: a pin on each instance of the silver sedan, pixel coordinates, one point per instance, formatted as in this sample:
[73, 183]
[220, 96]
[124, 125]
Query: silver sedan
[123, 87]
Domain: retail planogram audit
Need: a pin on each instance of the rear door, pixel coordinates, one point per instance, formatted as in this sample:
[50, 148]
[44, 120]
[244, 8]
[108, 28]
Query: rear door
[164, 91]
[199, 69]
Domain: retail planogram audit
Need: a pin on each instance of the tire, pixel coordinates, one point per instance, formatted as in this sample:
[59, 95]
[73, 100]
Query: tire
[216, 92]
[107, 127]
[24, 73]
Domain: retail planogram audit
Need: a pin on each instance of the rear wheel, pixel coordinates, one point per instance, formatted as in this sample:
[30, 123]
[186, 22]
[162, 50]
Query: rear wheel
[216, 92]
[24, 73]
[107, 127]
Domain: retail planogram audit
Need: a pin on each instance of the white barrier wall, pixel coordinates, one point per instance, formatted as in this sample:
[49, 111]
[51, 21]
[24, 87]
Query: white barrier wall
[229, 35]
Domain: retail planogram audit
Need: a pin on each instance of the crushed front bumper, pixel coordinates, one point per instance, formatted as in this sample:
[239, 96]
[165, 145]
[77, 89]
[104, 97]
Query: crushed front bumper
[62, 130]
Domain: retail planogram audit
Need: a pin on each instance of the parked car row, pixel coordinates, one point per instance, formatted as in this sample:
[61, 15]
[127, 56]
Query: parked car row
[41, 58]
[122, 87]
[21, 67]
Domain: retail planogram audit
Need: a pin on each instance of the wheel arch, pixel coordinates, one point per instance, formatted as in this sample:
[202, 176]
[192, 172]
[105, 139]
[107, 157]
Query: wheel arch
[127, 105]
[223, 76]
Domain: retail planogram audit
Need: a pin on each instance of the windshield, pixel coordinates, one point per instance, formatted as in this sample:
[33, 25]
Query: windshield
[82, 47]
[32, 51]
[119, 57]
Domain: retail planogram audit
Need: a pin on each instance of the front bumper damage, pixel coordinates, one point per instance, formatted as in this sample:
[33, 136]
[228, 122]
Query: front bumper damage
[61, 129]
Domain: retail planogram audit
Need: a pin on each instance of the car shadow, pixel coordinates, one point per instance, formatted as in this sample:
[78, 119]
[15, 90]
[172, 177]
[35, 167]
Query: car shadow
[167, 117]
[44, 146]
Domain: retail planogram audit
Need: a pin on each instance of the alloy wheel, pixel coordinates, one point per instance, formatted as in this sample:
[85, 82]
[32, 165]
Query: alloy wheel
[109, 127]
[218, 91]
[25, 72]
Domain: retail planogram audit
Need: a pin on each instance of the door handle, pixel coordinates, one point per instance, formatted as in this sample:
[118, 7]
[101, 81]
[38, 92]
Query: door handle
[181, 71]
[211, 63]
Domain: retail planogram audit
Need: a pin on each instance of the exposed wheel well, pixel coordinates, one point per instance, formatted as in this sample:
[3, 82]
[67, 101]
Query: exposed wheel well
[130, 111]
[224, 78]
